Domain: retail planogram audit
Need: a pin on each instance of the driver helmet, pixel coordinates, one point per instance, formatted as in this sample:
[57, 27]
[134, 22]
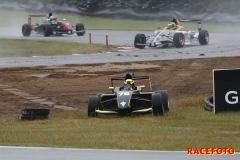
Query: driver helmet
[172, 26]
[52, 18]
[130, 83]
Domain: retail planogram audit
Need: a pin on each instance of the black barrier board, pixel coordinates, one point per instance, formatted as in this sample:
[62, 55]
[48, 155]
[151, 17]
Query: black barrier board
[226, 90]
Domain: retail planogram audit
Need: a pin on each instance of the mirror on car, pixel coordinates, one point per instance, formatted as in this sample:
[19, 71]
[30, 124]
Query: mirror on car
[111, 88]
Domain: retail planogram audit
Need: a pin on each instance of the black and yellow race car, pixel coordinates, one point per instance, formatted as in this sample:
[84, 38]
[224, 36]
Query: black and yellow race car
[129, 99]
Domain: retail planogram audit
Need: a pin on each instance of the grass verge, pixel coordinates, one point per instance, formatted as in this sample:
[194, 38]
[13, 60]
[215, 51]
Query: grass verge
[28, 48]
[186, 125]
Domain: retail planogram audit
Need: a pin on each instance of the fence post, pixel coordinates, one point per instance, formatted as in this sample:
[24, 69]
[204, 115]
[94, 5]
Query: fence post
[107, 41]
[90, 38]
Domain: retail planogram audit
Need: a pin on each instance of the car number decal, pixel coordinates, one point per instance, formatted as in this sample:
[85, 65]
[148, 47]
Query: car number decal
[123, 103]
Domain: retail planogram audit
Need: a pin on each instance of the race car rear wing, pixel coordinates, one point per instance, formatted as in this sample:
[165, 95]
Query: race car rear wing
[30, 17]
[196, 20]
[133, 78]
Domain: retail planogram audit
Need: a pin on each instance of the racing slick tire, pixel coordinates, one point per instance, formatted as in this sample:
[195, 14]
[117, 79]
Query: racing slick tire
[208, 103]
[203, 37]
[141, 39]
[92, 106]
[35, 111]
[178, 40]
[26, 30]
[165, 101]
[157, 104]
[47, 30]
[80, 27]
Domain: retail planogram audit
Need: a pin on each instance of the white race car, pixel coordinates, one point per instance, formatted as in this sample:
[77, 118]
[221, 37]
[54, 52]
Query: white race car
[177, 37]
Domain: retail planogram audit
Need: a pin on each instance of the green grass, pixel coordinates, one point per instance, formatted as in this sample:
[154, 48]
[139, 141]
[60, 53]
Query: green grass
[28, 48]
[183, 127]
[18, 18]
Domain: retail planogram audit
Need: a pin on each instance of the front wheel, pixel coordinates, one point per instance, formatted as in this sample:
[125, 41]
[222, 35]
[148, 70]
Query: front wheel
[165, 101]
[203, 37]
[140, 41]
[26, 30]
[157, 104]
[92, 106]
[178, 40]
[80, 29]
[47, 30]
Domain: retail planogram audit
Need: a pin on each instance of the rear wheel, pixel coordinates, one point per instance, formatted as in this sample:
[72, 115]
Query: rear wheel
[47, 30]
[140, 39]
[178, 40]
[26, 30]
[165, 101]
[92, 106]
[203, 37]
[80, 27]
[157, 104]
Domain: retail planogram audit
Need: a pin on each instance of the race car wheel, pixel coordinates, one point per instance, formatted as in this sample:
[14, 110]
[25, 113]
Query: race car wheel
[208, 103]
[140, 39]
[165, 101]
[157, 104]
[35, 111]
[80, 27]
[47, 30]
[92, 106]
[26, 30]
[178, 40]
[203, 37]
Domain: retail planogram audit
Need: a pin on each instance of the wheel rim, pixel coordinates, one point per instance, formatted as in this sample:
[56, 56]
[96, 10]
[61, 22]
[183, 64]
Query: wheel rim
[181, 40]
[142, 40]
[207, 37]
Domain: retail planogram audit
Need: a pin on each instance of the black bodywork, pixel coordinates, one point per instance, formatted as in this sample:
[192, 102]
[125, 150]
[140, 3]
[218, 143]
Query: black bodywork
[124, 101]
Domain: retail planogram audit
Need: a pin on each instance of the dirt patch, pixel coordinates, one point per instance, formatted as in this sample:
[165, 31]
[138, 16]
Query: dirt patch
[68, 87]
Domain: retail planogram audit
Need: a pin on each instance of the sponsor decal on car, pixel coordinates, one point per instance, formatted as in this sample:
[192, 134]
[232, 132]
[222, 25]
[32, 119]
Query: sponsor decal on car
[123, 103]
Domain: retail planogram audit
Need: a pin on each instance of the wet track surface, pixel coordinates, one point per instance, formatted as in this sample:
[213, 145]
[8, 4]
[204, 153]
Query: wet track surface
[220, 45]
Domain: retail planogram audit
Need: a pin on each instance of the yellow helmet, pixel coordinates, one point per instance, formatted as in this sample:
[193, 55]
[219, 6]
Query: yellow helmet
[128, 81]
[172, 26]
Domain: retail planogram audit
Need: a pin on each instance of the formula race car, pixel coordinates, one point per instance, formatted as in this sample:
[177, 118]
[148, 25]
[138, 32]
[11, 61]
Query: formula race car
[173, 35]
[129, 99]
[51, 26]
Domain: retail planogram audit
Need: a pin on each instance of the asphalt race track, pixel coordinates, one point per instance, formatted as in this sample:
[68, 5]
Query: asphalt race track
[220, 45]
[40, 153]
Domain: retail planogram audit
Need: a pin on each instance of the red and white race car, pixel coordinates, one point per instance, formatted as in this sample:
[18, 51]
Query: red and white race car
[51, 26]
